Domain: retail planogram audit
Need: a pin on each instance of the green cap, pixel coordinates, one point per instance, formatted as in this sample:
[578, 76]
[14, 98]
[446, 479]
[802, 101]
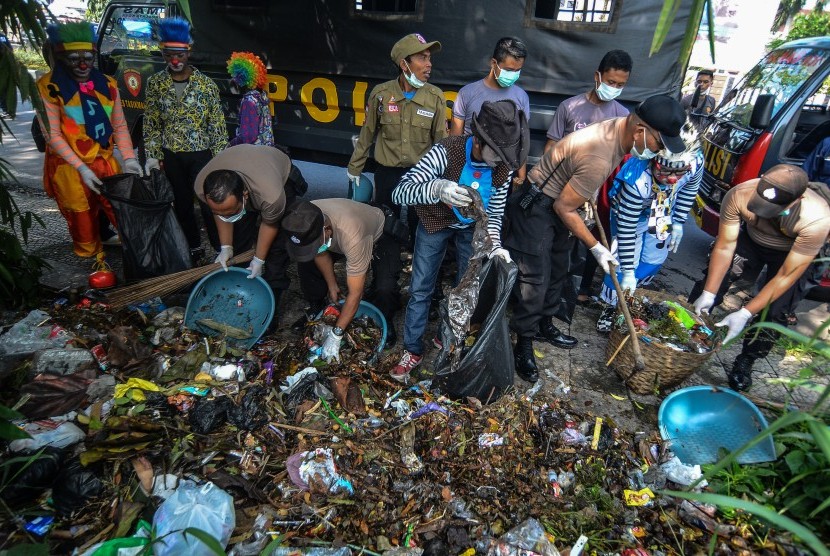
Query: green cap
[412, 44]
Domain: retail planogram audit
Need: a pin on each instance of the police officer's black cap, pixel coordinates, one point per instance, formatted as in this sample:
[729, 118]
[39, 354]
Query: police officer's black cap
[664, 115]
[303, 225]
[503, 127]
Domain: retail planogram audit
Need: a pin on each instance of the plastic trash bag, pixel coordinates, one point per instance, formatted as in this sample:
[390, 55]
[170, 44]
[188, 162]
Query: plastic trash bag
[74, 486]
[484, 369]
[152, 240]
[30, 477]
[33, 332]
[528, 537]
[207, 415]
[206, 507]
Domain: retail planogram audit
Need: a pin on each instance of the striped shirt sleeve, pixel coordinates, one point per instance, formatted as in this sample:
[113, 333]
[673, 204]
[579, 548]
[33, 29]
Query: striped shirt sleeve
[55, 138]
[687, 192]
[628, 209]
[120, 131]
[415, 187]
[495, 211]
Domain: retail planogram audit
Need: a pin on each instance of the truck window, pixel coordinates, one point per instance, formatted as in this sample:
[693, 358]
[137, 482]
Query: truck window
[813, 123]
[130, 28]
[398, 10]
[781, 73]
[587, 15]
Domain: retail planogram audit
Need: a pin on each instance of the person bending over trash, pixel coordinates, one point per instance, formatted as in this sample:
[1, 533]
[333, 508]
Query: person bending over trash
[650, 201]
[317, 233]
[780, 221]
[245, 189]
[484, 161]
[543, 214]
[86, 122]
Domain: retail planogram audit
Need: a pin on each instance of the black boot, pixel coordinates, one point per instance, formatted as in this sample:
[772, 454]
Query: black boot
[740, 378]
[525, 360]
[552, 335]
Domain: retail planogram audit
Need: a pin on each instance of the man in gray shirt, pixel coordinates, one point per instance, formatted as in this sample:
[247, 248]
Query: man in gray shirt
[499, 84]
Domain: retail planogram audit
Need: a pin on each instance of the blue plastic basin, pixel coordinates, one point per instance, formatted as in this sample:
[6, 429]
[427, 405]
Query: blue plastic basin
[700, 420]
[369, 310]
[233, 299]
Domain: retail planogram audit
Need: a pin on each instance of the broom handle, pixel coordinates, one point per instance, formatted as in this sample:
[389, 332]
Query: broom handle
[639, 362]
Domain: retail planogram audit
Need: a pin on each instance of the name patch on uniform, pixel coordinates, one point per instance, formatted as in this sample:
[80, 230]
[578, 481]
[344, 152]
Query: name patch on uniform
[393, 108]
[427, 113]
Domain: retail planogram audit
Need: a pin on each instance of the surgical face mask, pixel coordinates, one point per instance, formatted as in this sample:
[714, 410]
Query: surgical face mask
[411, 79]
[647, 153]
[490, 157]
[506, 78]
[325, 247]
[606, 92]
[234, 218]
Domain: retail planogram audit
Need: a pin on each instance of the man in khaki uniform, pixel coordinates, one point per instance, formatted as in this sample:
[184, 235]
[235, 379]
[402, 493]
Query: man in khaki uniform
[780, 221]
[321, 231]
[404, 118]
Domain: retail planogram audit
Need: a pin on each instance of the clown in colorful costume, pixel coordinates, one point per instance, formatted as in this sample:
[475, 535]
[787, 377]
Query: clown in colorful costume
[183, 124]
[249, 74]
[85, 122]
[650, 202]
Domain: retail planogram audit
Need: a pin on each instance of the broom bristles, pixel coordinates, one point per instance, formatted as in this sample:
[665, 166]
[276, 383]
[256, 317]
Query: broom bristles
[167, 284]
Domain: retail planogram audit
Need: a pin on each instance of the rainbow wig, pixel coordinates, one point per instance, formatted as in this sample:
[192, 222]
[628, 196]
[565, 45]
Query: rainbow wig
[71, 36]
[174, 33]
[247, 70]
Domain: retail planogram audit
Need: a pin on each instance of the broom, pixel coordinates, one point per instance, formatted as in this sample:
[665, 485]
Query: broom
[167, 284]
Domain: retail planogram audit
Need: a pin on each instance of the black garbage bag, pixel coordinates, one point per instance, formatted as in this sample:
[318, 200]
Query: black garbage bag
[208, 415]
[74, 486]
[152, 240]
[477, 356]
[250, 414]
[32, 473]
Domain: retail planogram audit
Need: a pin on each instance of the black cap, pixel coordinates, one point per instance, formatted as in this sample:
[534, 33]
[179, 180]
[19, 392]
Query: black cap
[777, 189]
[303, 223]
[666, 116]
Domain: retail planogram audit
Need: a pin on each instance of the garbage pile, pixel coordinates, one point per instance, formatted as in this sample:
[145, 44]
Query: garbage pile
[146, 433]
[668, 323]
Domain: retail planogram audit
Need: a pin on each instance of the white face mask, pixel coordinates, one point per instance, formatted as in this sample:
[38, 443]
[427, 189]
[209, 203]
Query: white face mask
[647, 153]
[234, 217]
[411, 79]
[606, 92]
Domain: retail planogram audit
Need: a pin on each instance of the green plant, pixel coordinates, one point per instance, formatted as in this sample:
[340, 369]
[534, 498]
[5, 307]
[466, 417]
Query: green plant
[664, 23]
[31, 58]
[793, 492]
[813, 24]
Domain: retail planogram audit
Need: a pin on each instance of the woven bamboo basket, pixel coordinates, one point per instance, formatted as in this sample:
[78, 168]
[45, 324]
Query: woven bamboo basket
[664, 367]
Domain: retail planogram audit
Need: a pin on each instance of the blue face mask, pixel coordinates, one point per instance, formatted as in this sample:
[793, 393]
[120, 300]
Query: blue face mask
[647, 153]
[236, 217]
[507, 77]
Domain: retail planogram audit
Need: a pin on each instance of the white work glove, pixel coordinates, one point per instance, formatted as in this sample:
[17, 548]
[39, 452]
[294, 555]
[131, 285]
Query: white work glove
[629, 282]
[736, 322]
[225, 254]
[151, 164]
[676, 236]
[354, 179]
[90, 179]
[131, 166]
[603, 257]
[501, 252]
[331, 347]
[255, 267]
[451, 193]
[704, 302]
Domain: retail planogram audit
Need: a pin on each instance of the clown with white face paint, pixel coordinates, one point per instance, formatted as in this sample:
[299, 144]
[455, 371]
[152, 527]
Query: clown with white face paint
[86, 122]
[184, 125]
[650, 201]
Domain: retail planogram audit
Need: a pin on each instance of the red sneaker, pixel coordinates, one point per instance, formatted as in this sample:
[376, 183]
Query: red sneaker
[405, 366]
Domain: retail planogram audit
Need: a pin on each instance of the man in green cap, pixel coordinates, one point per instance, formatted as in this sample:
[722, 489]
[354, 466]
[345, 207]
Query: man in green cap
[404, 118]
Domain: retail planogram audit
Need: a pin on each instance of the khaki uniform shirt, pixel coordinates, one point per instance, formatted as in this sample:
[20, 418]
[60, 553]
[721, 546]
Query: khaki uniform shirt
[355, 229]
[264, 170]
[804, 230]
[402, 130]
